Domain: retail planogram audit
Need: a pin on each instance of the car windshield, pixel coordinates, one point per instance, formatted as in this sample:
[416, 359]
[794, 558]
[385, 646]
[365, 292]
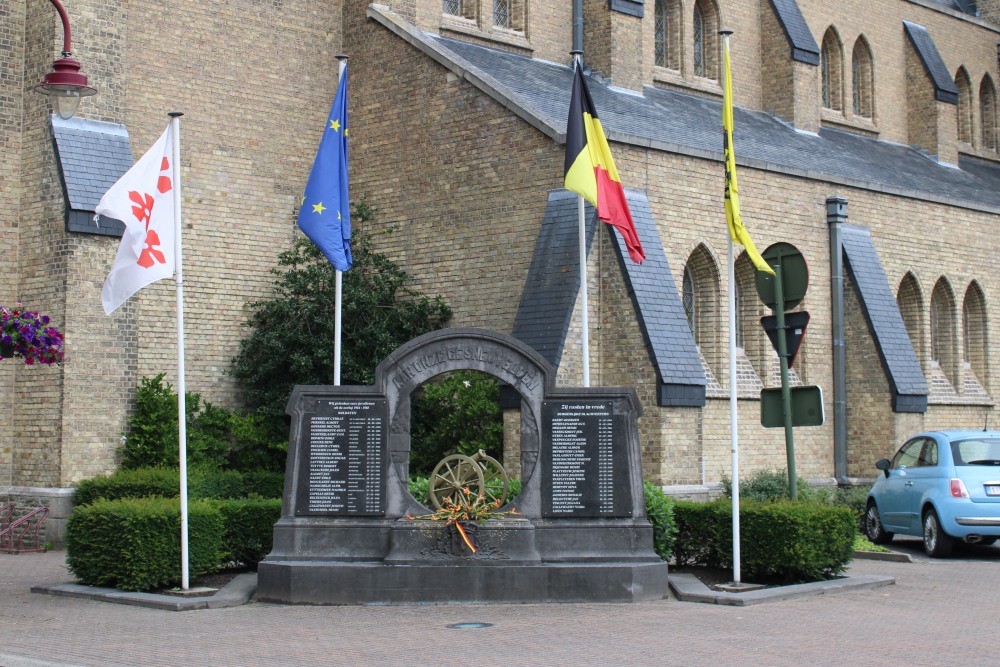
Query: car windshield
[976, 452]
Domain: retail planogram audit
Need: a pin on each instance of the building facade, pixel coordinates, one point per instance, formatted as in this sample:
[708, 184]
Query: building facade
[866, 136]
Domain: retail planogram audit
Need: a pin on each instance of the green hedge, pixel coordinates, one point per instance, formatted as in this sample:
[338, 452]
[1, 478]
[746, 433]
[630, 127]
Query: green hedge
[660, 512]
[780, 541]
[140, 483]
[134, 544]
[165, 482]
[249, 529]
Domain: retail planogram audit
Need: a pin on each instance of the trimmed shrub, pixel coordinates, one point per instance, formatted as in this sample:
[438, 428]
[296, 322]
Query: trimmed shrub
[704, 533]
[797, 541]
[249, 529]
[855, 498]
[660, 512]
[139, 483]
[263, 484]
[780, 541]
[166, 483]
[215, 484]
[762, 486]
[134, 544]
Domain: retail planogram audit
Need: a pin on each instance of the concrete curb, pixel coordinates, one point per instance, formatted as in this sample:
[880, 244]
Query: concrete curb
[237, 592]
[8, 660]
[687, 588]
[894, 556]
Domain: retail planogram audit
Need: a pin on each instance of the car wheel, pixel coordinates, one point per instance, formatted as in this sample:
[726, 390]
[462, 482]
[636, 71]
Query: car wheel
[937, 543]
[874, 530]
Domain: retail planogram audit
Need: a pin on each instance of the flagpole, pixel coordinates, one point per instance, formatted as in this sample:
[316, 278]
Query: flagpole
[734, 443]
[339, 283]
[584, 298]
[175, 121]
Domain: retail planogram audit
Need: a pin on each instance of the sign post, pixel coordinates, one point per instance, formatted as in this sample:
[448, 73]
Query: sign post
[786, 392]
[782, 291]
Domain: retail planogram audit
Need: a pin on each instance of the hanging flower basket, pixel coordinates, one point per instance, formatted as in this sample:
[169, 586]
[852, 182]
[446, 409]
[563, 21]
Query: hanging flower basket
[27, 335]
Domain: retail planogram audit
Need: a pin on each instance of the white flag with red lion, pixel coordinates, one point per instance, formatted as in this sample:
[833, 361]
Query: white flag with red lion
[144, 200]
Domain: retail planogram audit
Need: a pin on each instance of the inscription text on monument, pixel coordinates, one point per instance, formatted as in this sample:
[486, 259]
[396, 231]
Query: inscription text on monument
[343, 468]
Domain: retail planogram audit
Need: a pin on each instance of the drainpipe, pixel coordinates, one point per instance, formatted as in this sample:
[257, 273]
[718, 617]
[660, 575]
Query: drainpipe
[578, 25]
[836, 217]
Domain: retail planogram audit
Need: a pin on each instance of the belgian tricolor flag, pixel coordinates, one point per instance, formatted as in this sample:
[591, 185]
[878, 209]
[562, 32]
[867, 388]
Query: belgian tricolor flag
[590, 169]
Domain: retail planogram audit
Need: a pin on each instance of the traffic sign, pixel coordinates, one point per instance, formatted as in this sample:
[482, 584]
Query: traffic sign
[794, 276]
[795, 329]
[807, 407]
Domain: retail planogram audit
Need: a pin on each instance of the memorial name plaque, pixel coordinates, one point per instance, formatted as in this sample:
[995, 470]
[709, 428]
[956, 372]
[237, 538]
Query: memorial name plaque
[342, 470]
[585, 461]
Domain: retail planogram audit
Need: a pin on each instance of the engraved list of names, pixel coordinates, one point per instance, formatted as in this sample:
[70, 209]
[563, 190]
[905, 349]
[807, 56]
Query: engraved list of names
[584, 460]
[344, 470]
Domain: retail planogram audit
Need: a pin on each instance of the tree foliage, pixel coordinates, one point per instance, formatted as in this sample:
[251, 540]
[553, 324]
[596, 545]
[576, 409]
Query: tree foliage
[291, 338]
[216, 437]
[457, 413]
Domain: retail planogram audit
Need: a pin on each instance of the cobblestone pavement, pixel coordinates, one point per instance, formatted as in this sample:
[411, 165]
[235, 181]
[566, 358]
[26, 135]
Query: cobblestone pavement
[938, 612]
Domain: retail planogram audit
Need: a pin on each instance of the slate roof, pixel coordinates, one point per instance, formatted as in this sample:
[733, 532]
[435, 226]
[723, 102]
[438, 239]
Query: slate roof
[660, 311]
[964, 6]
[804, 47]
[945, 89]
[906, 379]
[92, 156]
[678, 122]
[550, 291]
[553, 283]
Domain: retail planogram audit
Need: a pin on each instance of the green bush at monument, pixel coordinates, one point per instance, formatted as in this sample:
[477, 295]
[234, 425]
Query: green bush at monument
[781, 542]
[292, 332]
[125, 528]
[457, 413]
[132, 544]
[216, 437]
[166, 482]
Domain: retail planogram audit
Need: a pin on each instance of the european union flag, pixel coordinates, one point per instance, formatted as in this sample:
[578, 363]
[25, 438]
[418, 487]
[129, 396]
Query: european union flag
[325, 215]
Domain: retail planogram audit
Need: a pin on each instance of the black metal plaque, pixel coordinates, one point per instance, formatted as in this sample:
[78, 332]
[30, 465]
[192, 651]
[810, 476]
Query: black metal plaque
[342, 466]
[584, 460]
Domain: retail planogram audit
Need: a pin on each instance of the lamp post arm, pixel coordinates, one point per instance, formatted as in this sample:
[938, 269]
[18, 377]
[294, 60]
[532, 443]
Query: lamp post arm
[67, 40]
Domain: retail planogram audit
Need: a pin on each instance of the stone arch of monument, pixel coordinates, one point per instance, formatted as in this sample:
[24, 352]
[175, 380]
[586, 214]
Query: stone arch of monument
[502, 356]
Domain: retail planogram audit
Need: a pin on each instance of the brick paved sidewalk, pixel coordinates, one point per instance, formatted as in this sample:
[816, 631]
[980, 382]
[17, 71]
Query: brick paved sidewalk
[940, 611]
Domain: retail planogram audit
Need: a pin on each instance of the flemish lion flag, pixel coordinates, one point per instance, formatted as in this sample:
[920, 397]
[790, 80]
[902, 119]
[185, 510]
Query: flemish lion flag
[590, 169]
[144, 200]
[737, 231]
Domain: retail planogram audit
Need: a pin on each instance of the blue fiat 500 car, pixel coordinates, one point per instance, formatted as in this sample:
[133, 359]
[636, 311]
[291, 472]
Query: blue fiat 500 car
[943, 486]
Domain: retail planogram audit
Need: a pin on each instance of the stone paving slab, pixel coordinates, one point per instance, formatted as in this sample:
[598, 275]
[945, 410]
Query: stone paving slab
[237, 592]
[940, 611]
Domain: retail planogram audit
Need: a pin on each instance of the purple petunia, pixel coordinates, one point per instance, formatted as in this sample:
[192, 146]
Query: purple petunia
[25, 334]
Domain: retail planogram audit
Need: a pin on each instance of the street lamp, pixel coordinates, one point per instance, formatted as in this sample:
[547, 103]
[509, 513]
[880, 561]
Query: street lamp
[64, 84]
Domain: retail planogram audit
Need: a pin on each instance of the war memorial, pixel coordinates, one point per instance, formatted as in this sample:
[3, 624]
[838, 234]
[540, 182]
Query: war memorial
[350, 532]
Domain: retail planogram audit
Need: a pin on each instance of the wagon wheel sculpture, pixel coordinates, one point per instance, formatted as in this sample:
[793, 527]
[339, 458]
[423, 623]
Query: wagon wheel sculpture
[480, 474]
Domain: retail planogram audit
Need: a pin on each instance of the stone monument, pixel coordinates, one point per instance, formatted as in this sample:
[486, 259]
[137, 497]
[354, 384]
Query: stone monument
[580, 535]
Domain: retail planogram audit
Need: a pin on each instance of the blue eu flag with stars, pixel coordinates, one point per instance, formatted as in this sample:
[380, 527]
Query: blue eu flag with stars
[325, 215]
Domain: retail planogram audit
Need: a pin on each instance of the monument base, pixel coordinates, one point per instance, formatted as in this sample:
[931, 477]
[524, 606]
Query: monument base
[515, 561]
[344, 583]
